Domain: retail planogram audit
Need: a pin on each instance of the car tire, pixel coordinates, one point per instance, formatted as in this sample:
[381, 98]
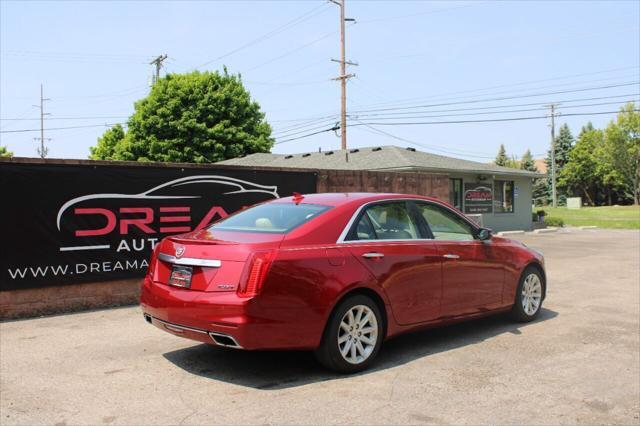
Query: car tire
[353, 335]
[529, 296]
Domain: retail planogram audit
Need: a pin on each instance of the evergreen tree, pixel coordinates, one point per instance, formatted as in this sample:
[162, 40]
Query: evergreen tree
[501, 158]
[564, 143]
[527, 162]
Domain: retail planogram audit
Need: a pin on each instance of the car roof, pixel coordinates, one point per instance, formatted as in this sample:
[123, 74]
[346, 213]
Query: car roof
[344, 198]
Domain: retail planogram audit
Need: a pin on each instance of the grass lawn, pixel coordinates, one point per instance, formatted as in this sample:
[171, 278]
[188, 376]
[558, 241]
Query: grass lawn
[623, 217]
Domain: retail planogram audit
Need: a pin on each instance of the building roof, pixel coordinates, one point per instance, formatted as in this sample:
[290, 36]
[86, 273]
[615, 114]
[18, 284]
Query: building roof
[541, 164]
[384, 158]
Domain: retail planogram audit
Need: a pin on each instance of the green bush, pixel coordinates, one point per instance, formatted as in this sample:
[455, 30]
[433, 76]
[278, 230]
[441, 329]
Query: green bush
[540, 212]
[534, 217]
[553, 221]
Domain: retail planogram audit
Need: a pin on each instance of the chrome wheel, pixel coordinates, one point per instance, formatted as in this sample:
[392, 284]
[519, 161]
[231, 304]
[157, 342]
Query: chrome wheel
[531, 294]
[357, 334]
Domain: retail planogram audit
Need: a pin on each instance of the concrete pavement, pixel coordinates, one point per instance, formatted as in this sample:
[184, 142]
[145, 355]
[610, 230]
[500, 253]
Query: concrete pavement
[578, 364]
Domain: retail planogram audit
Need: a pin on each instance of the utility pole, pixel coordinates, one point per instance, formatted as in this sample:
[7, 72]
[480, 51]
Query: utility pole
[554, 194]
[343, 77]
[158, 63]
[42, 150]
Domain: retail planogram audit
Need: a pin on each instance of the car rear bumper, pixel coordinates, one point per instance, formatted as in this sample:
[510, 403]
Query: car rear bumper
[220, 339]
[224, 319]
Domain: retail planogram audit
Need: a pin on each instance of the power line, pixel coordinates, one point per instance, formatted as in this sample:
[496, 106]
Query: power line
[430, 147]
[309, 122]
[358, 112]
[411, 100]
[307, 135]
[290, 24]
[464, 114]
[63, 128]
[291, 52]
[287, 134]
[540, 104]
[484, 120]
[531, 95]
[66, 118]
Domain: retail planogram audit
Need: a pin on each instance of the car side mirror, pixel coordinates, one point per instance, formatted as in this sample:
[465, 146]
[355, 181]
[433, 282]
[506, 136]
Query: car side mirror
[484, 234]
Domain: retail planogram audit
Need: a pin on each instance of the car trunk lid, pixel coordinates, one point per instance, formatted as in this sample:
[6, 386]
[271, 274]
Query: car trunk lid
[207, 261]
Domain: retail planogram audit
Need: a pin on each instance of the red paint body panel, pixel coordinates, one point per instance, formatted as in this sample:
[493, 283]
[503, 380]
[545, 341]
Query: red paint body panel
[311, 271]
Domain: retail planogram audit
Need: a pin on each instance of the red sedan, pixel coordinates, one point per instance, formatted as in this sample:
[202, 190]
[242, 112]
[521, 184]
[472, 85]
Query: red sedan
[337, 274]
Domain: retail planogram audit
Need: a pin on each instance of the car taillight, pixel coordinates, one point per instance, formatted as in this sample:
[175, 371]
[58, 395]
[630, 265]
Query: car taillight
[152, 262]
[254, 278]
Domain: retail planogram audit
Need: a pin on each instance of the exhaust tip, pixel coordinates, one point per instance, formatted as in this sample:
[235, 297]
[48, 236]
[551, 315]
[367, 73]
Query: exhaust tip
[147, 318]
[224, 340]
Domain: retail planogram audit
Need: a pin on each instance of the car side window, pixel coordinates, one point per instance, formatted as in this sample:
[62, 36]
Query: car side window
[445, 225]
[388, 221]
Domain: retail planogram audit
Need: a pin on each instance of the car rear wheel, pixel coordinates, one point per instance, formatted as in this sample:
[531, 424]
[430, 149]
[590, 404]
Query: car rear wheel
[353, 335]
[528, 296]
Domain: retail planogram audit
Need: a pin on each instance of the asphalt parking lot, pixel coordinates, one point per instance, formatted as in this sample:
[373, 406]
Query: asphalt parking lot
[578, 363]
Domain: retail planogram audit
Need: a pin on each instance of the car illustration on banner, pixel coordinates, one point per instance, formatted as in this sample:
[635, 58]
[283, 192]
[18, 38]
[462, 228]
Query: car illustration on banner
[180, 205]
[336, 274]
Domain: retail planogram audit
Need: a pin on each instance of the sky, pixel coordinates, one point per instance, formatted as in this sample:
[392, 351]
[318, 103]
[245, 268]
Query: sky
[443, 77]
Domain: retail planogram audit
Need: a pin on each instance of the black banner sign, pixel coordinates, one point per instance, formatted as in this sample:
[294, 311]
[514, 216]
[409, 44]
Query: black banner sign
[66, 224]
[478, 197]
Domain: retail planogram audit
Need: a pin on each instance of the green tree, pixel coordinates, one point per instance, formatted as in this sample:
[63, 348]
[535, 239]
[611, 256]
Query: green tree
[195, 117]
[539, 186]
[619, 165]
[501, 158]
[5, 153]
[580, 174]
[564, 143]
[106, 147]
[527, 163]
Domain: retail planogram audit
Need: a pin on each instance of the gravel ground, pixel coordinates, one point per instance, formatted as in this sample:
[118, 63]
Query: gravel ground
[578, 363]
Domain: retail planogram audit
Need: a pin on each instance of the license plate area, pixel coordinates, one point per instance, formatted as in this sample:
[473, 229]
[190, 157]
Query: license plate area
[181, 276]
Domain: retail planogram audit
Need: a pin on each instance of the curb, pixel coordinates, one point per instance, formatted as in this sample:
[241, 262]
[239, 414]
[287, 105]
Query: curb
[545, 230]
[504, 233]
[587, 227]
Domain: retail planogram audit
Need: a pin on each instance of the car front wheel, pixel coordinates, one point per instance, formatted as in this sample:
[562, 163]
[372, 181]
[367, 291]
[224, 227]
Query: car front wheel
[353, 335]
[528, 296]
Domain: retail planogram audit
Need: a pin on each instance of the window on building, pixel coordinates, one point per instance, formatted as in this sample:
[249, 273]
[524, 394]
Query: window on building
[503, 196]
[455, 193]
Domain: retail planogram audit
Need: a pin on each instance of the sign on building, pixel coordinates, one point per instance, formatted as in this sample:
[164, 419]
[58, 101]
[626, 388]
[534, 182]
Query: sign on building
[66, 224]
[478, 197]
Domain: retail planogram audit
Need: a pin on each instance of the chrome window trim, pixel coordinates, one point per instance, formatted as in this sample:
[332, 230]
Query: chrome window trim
[345, 231]
[190, 261]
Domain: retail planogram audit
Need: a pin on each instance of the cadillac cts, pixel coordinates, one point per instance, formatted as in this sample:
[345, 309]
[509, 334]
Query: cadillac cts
[337, 274]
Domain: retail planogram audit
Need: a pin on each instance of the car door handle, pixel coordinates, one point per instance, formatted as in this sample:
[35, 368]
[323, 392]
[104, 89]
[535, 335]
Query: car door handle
[373, 255]
[451, 256]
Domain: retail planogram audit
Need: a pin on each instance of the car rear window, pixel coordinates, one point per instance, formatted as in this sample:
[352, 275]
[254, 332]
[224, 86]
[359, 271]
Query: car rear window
[270, 218]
